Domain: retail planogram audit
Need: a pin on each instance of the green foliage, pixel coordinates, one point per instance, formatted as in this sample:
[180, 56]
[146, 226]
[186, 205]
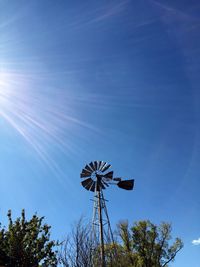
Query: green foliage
[142, 245]
[148, 245]
[26, 243]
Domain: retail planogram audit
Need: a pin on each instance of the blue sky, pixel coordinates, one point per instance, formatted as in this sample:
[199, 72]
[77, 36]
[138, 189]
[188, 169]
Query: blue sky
[116, 81]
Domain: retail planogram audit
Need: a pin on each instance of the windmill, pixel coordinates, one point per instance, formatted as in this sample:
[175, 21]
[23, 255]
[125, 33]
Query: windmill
[97, 177]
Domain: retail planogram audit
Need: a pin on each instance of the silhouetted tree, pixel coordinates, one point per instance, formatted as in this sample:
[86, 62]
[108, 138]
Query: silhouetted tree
[26, 243]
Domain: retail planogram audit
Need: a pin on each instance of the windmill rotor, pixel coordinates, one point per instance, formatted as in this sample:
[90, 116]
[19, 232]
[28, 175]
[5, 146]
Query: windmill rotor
[96, 177]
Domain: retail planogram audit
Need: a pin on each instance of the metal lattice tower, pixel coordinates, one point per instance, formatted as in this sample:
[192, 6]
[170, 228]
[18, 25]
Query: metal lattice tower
[101, 232]
[96, 179]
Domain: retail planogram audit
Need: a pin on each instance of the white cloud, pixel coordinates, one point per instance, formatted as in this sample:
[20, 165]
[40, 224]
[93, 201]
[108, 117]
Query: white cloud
[196, 241]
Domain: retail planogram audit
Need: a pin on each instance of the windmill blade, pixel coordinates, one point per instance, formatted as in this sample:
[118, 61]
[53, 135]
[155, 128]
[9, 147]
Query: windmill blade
[100, 184]
[127, 184]
[105, 167]
[95, 165]
[99, 164]
[89, 186]
[92, 188]
[91, 164]
[102, 165]
[88, 168]
[108, 175]
[85, 173]
[106, 184]
[87, 183]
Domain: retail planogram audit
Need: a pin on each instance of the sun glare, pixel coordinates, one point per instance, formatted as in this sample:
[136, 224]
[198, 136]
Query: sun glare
[5, 91]
[36, 117]
[3, 82]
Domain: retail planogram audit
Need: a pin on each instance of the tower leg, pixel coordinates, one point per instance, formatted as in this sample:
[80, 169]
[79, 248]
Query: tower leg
[101, 230]
[101, 233]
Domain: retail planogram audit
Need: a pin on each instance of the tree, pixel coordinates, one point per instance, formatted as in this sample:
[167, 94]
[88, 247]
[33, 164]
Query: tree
[142, 245]
[26, 243]
[148, 245]
[79, 250]
[76, 249]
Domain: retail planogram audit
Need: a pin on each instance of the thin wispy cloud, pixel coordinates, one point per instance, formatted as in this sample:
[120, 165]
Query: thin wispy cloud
[111, 11]
[196, 242]
[99, 14]
[171, 10]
